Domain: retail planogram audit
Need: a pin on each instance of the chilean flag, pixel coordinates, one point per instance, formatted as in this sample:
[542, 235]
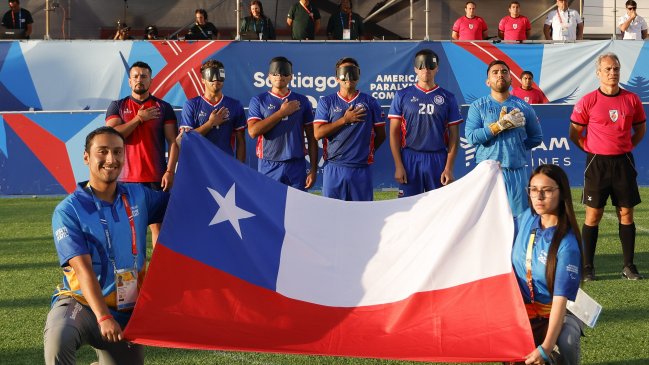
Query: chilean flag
[245, 263]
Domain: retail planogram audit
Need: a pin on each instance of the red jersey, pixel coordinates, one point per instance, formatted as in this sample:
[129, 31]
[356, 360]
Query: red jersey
[608, 120]
[514, 29]
[531, 96]
[470, 29]
[145, 147]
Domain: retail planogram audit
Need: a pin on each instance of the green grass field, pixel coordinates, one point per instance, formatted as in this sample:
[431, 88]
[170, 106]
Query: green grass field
[29, 272]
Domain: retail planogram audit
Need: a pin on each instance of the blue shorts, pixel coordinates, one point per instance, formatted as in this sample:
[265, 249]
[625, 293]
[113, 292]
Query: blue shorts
[347, 183]
[291, 172]
[423, 171]
[516, 181]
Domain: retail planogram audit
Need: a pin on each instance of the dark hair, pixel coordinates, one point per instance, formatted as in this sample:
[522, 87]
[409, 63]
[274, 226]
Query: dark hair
[140, 64]
[351, 5]
[281, 59]
[201, 11]
[514, 2]
[211, 64]
[496, 62]
[151, 29]
[567, 220]
[347, 60]
[427, 52]
[632, 3]
[261, 8]
[527, 73]
[98, 131]
[469, 2]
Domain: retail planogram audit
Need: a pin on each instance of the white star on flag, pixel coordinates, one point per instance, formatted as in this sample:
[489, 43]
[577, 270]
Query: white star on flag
[228, 210]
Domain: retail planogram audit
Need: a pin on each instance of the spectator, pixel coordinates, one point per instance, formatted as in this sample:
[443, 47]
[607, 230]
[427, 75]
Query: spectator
[563, 24]
[608, 124]
[217, 117]
[304, 20]
[352, 126]
[100, 237]
[631, 24]
[514, 27]
[202, 29]
[146, 123]
[258, 22]
[18, 18]
[527, 92]
[504, 128]
[547, 232]
[123, 32]
[151, 33]
[280, 120]
[469, 27]
[424, 130]
[345, 25]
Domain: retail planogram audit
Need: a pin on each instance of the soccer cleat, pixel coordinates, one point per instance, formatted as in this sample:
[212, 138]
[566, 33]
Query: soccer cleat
[631, 272]
[589, 273]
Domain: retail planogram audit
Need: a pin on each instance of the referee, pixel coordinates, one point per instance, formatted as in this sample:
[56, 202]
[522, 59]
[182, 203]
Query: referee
[607, 124]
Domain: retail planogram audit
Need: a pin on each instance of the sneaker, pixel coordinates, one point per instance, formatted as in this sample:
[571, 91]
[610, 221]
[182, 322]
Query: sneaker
[631, 272]
[589, 273]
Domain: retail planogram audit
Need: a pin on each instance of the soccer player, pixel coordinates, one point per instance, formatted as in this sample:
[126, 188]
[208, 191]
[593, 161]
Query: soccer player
[527, 92]
[217, 117]
[146, 122]
[504, 128]
[424, 130]
[352, 126]
[514, 27]
[469, 27]
[100, 237]
[280, 119]
[607, 124]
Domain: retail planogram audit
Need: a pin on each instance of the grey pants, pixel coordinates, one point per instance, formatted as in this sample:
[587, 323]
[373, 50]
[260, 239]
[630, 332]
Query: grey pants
[70, 325]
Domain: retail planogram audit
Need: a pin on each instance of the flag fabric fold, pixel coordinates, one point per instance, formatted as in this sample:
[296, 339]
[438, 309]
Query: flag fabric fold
[245, 263]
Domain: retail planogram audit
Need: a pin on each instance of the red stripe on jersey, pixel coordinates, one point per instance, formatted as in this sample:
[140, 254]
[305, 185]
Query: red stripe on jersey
[403, 132]
[260, 147]
[427, 91]
[370, 155]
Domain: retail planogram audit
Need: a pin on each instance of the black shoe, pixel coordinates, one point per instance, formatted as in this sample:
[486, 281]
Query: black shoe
[589, 273]
[631, 272]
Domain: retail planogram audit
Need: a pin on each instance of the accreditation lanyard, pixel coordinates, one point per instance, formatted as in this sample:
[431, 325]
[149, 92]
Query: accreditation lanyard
[104, 224]
[254, 25]
[528, 264]
[308, 11]
[349, 21]
[13, 19]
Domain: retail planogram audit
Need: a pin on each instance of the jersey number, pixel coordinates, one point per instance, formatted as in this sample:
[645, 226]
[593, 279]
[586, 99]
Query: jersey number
[427, 109]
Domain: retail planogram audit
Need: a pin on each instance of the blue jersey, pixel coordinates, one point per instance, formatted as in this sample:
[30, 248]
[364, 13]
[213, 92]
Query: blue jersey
[568, 271]
[425, 116]
[77, 231]
[286, 140]
[353, 144]
[197, 111]
[511, 146]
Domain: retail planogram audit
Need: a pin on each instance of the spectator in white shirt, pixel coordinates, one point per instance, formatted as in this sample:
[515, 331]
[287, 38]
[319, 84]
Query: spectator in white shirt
[632, 25]
[563, 24]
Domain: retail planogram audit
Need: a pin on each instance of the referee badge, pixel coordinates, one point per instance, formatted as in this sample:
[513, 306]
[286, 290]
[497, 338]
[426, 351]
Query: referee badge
[470, 25]
[613, 114]
[515, 26]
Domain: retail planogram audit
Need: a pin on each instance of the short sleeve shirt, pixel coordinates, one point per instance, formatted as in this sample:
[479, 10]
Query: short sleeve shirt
[197, 111]
[514, 29]
[285, 141]
[563, 24]
[425, 116]
[470, 29]
[608, 120]
[17, 20]
[634, 31]
[303, 20]
[353, 144]
[531, 96]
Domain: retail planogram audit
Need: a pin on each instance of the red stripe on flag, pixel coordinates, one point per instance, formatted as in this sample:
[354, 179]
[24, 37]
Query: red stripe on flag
[187, 304]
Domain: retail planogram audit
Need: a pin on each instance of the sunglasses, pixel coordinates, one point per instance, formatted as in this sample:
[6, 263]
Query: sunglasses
[631, 8]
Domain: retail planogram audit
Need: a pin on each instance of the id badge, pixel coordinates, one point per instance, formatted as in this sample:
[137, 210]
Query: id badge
[126, 288]
[347, 34]
[564, 30]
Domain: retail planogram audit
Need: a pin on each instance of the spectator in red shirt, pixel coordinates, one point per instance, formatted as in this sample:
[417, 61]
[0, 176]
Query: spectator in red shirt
[469, 27]
[527, 92]
[514, 27]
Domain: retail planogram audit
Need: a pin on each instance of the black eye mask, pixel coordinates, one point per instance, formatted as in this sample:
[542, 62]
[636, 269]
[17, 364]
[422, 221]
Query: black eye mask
[348, 73]
[280, 68]
[427, 61]
[214, 74]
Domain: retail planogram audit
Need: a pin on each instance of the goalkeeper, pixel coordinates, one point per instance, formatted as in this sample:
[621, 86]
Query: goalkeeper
[504, 128]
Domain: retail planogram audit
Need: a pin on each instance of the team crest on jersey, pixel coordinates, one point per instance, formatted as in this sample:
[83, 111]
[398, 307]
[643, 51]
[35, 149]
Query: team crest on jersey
[471, 26]
[613, 114]
[515, 26]
[414, 99]
[438, 99]
[527, 99]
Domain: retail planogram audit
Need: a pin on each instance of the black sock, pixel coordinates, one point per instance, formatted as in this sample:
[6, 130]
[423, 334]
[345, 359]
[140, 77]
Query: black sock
[589, 236]
[627, 237]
